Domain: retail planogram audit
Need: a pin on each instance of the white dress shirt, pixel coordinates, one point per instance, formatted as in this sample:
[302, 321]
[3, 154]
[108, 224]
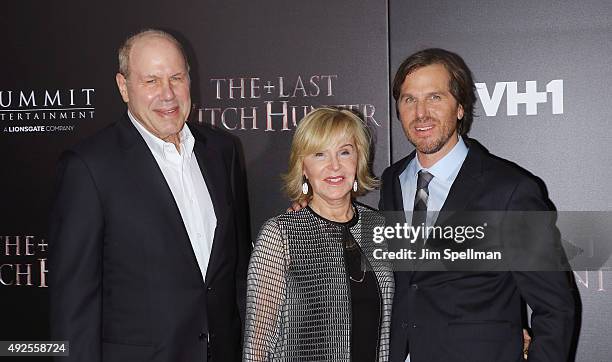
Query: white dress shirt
[185, 180]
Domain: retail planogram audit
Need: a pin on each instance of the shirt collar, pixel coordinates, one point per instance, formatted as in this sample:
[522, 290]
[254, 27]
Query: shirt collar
[446, 167]
[161, 147]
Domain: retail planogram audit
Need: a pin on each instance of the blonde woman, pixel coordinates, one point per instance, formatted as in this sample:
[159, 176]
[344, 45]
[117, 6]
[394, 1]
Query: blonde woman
[314, 291]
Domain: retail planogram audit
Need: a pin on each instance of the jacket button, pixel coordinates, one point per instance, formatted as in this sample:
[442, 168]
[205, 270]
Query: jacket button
[202, 336]
[415, 286]
[414, 325]
[404, 325]
[209, 289]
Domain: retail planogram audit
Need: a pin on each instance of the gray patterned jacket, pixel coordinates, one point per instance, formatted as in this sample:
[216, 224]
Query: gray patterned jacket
[298, 299]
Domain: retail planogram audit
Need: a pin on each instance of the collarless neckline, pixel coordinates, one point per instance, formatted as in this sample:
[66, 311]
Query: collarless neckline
[349, 223]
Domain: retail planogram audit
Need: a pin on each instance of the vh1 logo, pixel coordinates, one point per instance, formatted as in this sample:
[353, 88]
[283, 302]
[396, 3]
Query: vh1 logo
[531, 97]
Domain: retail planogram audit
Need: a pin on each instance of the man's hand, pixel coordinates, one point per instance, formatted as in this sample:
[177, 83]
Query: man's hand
[526, 343]
[297, 206]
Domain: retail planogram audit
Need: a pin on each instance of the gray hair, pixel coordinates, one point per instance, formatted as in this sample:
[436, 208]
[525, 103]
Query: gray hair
[124, 51]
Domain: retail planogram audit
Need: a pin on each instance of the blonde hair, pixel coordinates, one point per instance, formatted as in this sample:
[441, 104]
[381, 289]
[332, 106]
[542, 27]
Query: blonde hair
[124, 51]
[316, 131]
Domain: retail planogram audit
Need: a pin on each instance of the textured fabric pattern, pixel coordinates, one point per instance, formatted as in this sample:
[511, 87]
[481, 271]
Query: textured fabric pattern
[419, 212]
[298, 298]
[422, 193]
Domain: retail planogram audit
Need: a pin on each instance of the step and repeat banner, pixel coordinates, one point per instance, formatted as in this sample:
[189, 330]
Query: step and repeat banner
[258, 67]
[542, 83]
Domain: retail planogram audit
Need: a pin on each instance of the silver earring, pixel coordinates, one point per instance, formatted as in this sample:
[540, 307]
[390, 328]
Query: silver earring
[305, 186]
[355, 186]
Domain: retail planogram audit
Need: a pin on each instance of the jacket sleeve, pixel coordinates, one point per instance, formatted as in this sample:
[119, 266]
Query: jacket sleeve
[550, 294]
[385, 179]
[266, 292]
[243, 233]
[75, 259]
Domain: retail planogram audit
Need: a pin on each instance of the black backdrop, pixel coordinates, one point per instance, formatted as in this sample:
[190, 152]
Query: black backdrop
[60, 57]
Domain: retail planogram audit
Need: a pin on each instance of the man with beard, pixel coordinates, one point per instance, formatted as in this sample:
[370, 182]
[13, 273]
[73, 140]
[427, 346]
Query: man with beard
[464, 315]
[149, 239]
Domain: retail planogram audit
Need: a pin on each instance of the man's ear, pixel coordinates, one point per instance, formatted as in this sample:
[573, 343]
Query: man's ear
[460, 112]
[122, 85]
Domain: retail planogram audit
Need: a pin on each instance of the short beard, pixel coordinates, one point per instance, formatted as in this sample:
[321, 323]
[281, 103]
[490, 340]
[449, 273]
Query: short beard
[434, 146]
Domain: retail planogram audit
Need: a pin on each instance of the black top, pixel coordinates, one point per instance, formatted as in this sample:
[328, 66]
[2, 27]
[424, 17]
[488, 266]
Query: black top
[365, 299]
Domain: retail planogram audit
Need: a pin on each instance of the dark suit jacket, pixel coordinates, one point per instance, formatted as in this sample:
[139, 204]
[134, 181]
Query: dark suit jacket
[124, 281]
[477, 316]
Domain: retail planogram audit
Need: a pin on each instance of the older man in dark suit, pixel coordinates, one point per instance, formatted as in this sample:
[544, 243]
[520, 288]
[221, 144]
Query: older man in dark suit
[465, 315]
[149, 240]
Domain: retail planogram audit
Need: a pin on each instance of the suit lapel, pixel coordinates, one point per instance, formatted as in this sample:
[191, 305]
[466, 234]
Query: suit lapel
[398, 199]
[143, 166]
[399, 217]
[215, 176]
[465, 186]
